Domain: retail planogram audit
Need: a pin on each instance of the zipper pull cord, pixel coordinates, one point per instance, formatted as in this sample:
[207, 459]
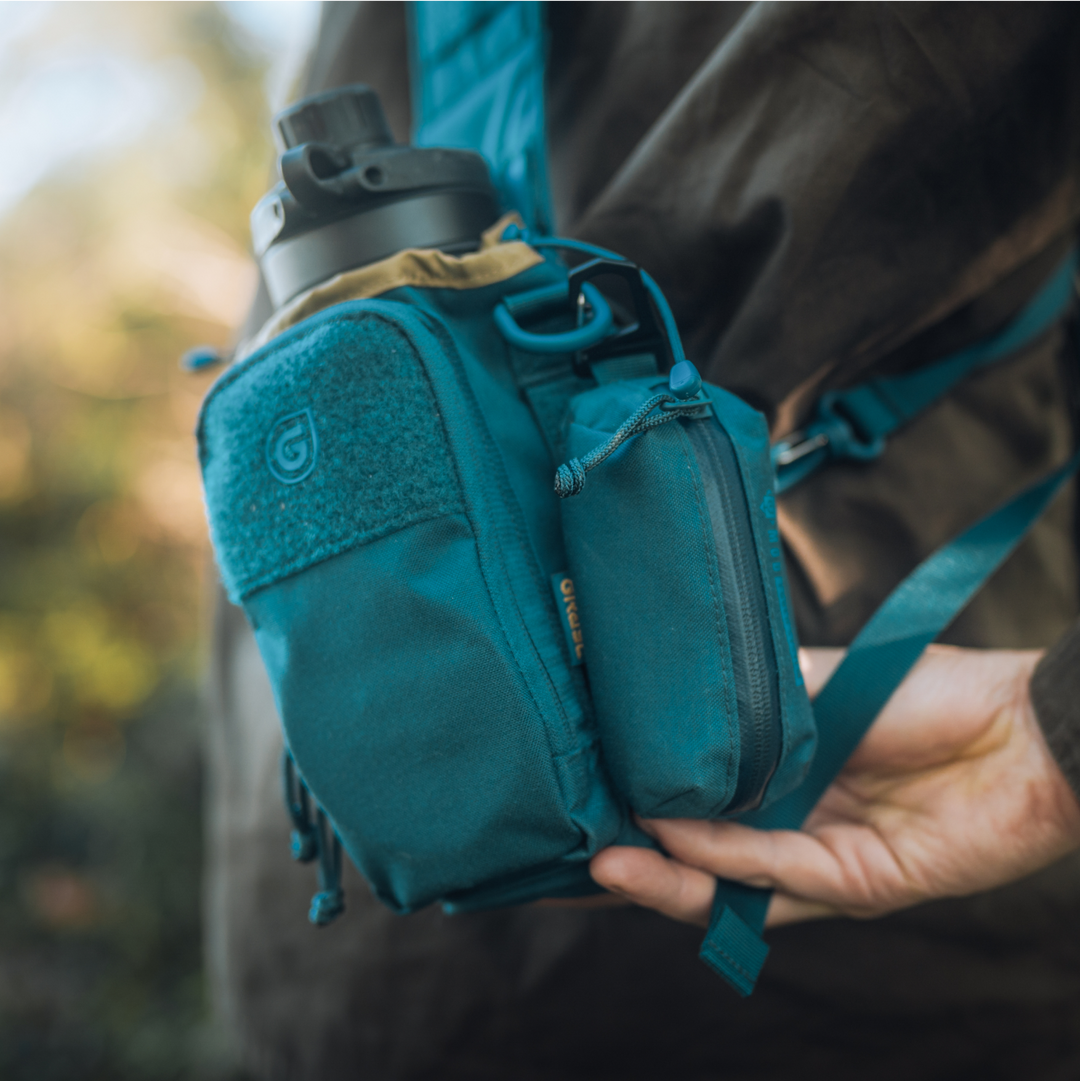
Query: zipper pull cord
[304, 843]
[314, 840]
[570, 477]
[683, 394]
[329, 902]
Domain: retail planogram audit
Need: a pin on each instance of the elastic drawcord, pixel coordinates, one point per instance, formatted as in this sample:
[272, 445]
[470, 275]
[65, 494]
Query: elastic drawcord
[304, 842]
[314, 840]
[329, 902]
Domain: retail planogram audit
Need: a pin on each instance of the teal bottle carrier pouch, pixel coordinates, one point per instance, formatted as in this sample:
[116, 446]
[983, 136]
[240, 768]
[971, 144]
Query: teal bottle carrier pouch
[379, 482]
[380, 502]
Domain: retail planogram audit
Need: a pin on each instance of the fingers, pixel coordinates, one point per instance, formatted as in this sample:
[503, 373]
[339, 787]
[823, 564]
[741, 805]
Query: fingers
[784, 909]
[683, 893]
[795, 864]
[770, 859]
[650, 879]
[850, 871]
[923, 808]
[817, 666]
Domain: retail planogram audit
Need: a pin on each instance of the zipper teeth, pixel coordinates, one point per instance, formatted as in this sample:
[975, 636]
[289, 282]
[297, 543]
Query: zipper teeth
[757, 654]
[750, 613]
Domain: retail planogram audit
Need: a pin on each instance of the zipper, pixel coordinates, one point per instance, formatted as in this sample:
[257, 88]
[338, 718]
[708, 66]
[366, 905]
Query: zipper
[753, 655]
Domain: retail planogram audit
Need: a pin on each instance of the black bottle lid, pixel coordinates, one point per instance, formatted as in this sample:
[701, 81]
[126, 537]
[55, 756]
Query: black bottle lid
[351, 116]
[350, 195]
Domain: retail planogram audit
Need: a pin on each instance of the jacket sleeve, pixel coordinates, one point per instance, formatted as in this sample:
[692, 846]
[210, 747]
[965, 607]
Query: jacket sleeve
[1055, 694]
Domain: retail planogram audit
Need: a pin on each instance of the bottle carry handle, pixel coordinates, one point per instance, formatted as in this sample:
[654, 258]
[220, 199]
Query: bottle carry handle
[585, 336]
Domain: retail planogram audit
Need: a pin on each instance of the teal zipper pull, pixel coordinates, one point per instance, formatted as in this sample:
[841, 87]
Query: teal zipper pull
[684, 381]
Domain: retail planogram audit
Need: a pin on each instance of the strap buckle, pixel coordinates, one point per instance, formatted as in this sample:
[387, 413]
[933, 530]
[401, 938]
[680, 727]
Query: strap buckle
[831, 434]
[846, 437]
[643, 336]
[797, 445]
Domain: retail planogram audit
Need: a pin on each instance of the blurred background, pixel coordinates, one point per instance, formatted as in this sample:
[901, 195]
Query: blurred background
[135, 141]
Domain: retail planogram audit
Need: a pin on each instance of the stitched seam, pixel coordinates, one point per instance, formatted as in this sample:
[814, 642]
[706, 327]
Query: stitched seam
[734, 964]
[714, 947]
[355, 540]
[440, 334]
[521, 537]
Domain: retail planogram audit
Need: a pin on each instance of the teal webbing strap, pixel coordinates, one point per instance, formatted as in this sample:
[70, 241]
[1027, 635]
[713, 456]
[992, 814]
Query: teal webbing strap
[549, 387]
[548, 383]
[884, 651]
[477, 73]
[854, 423]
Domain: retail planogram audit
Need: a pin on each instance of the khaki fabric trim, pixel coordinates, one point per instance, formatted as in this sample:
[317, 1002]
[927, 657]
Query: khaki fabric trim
[424, 268]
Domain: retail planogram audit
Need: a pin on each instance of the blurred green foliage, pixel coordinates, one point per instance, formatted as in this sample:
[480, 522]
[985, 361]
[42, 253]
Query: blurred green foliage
[108, 272]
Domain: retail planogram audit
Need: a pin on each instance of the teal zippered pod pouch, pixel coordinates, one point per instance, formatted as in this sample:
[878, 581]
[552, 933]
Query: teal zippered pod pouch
[380, 504]
[674, 552]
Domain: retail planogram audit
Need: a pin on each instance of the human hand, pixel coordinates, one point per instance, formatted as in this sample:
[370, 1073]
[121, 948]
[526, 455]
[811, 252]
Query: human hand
[952, 790]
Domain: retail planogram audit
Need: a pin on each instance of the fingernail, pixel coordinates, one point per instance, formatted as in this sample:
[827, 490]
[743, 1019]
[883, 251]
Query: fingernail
[646, 826]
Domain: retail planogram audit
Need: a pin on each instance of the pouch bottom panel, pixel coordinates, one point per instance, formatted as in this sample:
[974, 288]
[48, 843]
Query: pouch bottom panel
[408, 717]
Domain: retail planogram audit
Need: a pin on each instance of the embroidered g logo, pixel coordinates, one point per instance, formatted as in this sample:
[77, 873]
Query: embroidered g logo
[292, 446]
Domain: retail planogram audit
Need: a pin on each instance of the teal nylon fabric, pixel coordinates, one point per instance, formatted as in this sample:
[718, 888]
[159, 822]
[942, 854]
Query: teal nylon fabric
[879, 658]
[478, 84]
[279, 528]
[666, 646]
[411, 722]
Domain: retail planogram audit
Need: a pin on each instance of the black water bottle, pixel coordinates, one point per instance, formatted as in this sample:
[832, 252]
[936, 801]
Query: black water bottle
[349, 195]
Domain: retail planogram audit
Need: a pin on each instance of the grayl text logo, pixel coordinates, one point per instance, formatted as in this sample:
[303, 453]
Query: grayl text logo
[292, 447]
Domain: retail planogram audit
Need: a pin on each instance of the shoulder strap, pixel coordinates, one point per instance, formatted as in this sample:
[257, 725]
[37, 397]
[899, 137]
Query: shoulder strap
[477, 72]
[855, 423]
[884, 651]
